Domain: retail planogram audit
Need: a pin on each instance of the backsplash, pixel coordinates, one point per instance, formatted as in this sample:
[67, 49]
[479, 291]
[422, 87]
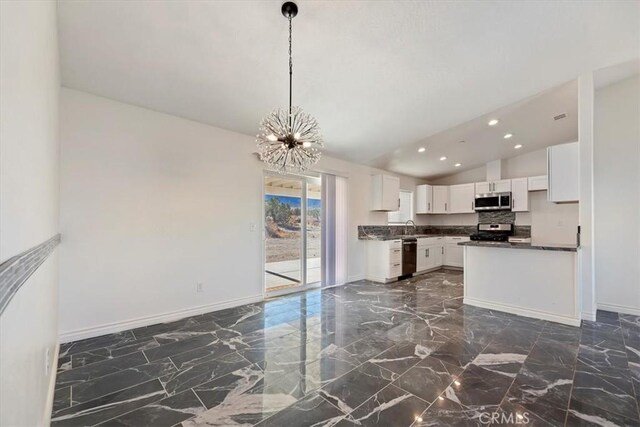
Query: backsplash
[444, 230]
[497, 217]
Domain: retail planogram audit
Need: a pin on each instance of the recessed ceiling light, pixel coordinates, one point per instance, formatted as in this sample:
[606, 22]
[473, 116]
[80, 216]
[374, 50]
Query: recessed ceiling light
[458, 165]
[507, 136]
[421, 150]
[443, 158]
[493, 122]
[517, 147]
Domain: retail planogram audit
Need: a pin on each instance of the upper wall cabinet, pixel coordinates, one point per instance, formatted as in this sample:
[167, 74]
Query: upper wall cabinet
[520, 195]
[538, 183]
[563, 170]
[424, 199]
[501, 186]
[440, 199]
[462, 198]
[385, 193]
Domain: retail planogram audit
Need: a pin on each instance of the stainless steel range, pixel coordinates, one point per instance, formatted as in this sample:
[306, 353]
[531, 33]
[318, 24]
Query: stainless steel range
[493, 232]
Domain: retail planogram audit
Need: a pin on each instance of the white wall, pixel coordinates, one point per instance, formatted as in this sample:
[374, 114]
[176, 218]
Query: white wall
[29, 86]
[617, 196]
[152, 204]
[550, 223]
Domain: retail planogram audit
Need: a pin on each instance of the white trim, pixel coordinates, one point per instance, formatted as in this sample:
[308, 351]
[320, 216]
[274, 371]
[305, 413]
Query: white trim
[522, 311]
[624, 309]
[48, 406]
[124, 325]
[589, 316]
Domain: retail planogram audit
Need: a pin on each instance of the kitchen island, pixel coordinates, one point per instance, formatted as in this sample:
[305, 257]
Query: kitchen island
[532, 280]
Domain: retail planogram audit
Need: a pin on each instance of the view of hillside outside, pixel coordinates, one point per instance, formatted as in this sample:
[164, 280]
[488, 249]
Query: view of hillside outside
[283, 232]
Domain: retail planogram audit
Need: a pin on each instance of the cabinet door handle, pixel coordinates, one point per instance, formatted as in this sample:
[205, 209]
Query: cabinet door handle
[442, 248]
[429, 206]
[445, 207]
[426, 253]
[396, 265]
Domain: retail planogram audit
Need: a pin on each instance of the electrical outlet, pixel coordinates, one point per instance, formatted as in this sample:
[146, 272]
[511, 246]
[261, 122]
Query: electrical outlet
[47, 361]
[199, 287]
[253, 227]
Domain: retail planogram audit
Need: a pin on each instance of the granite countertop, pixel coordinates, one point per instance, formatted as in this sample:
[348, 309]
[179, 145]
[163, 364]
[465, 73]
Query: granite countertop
[417, 236]
[511, 245]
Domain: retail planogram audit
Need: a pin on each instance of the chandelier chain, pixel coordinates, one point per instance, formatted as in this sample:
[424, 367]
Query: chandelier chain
[289, 140]
[290, 71]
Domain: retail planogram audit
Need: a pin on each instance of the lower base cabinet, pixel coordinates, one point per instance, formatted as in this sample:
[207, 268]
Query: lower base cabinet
[384, 258]
[454, 254]
[430, 257]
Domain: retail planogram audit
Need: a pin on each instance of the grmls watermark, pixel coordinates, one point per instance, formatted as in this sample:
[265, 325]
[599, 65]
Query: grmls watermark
[491, 418]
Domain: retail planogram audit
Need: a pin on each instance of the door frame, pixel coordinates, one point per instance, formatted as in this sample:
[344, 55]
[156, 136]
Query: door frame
[303, 286]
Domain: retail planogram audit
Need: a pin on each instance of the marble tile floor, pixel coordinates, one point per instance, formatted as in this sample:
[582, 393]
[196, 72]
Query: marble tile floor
[365, 354]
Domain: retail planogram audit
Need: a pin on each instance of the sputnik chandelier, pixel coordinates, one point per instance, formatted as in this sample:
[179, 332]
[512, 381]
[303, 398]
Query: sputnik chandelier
[289, 139]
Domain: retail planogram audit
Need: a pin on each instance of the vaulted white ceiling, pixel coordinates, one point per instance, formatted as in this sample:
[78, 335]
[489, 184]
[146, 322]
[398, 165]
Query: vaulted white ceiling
[378, 75]
[471, 144]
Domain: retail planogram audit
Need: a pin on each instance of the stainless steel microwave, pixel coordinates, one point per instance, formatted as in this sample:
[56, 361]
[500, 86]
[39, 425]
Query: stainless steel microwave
[493, 202]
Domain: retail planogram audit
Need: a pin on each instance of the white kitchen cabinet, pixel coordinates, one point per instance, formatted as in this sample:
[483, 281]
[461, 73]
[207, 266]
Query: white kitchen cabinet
[453, 253]
[425, 260]
[437, 252]
[429, 253]
[424, 199]
[520, 195]
[538, 183]
[563, 170]
[385, 193]
[483, 187]
[501, 186]
[384, 260]
[461, 198]
[440, 199]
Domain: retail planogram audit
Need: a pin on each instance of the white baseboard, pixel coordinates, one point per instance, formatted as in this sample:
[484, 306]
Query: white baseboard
[48, 406]
[355, 278]
[523, 311]
[588, 316]
[624, 309]
[124, 325]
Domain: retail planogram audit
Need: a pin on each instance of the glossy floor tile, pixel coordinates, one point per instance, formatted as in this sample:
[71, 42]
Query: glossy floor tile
[365, 354]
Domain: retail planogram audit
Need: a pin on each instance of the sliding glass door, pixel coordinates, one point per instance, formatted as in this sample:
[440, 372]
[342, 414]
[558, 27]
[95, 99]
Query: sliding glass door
[292, 232]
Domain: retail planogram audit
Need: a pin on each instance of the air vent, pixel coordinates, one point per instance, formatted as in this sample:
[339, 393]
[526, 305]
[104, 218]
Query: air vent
[560, 116]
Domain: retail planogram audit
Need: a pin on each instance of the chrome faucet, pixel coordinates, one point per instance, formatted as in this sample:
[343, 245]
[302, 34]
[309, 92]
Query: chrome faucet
[413, 224]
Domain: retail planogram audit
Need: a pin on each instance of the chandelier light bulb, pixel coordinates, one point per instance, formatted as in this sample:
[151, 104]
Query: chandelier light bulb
[272, 137]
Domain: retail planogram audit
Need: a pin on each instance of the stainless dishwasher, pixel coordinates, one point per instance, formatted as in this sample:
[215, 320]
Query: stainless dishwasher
[409, 256]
